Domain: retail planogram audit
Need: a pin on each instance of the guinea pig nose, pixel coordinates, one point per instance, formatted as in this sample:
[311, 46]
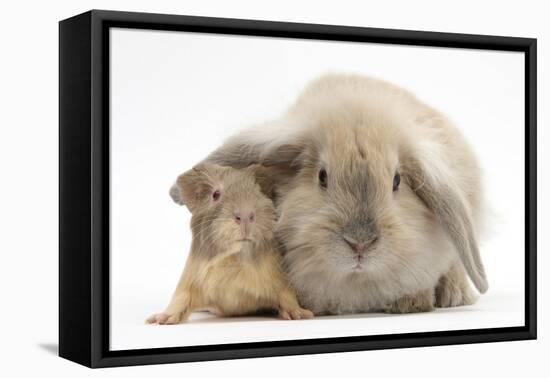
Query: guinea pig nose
[248, 218]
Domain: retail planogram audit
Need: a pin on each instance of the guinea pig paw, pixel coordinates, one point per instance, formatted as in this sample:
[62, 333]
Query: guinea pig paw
[305, 314]
[285, 315]
[295, 314]
[164, 319]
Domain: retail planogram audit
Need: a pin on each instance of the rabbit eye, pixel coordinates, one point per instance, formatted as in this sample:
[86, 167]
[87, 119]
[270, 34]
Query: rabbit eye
[216, 195]
[396, 181]
[323, 178]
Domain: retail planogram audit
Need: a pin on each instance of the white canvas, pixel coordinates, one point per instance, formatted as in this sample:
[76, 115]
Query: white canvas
[175, 96]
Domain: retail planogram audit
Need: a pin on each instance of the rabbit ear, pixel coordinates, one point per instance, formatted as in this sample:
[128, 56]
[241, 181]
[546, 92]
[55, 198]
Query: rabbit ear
[269, 178]
[193, 186]
[449, 205]
[272, 144]
[275, 147]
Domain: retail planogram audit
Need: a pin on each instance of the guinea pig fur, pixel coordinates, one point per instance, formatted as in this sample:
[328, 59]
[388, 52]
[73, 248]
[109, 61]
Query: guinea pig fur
[234, 266]
[379, 206]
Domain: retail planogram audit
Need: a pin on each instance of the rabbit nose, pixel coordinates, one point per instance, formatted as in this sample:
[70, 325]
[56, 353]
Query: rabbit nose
[359, 247]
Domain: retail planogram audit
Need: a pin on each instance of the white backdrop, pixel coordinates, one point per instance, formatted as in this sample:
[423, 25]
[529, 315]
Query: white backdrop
[28, 196]
[174, 98]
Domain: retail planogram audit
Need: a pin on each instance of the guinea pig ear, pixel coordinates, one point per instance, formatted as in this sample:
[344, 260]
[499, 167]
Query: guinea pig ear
[449, 205]
[194, 186]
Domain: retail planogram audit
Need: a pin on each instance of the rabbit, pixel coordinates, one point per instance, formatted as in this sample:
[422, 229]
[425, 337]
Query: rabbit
[380, 202]
[234, 266]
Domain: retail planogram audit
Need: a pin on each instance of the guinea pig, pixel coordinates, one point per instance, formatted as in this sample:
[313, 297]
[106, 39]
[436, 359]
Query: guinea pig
[381, 200]
[234, 266]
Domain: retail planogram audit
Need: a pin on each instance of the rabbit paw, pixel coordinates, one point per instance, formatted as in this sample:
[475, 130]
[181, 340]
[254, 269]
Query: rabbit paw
[165, 318]
[453, 289]
[422, 302]
[295, 313]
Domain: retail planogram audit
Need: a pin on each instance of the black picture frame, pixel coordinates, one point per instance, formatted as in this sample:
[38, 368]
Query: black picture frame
[84, 187]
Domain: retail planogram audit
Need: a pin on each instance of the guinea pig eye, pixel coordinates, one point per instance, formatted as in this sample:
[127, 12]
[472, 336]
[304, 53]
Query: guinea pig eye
[396, 181]
[216, 195]
[323, 178]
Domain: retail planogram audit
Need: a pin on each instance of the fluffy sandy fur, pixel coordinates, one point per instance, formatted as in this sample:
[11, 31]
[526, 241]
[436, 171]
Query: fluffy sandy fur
[363, 131]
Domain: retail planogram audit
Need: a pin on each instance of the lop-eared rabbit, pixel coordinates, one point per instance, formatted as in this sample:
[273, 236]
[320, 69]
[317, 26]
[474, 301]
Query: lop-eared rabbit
[378, 200]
